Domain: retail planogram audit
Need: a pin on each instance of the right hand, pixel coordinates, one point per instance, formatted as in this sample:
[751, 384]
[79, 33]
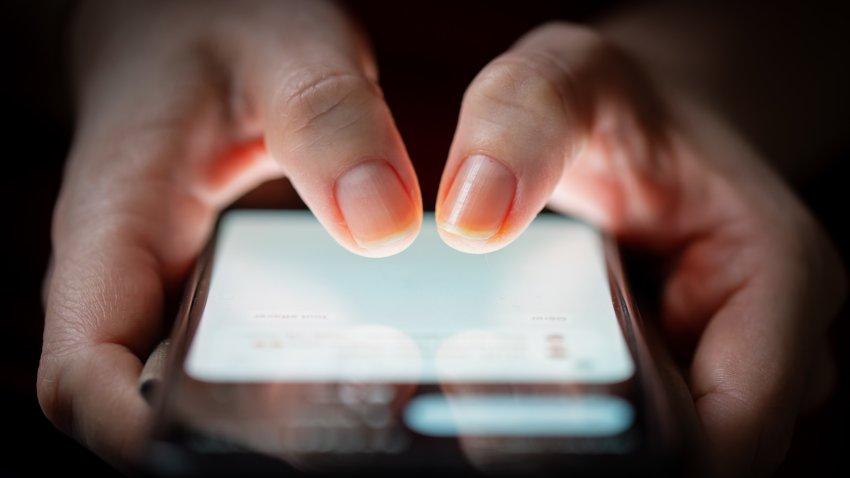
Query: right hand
[175, 102]
[748, 282]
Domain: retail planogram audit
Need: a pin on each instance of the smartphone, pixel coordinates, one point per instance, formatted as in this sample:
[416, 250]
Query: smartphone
[294, 355]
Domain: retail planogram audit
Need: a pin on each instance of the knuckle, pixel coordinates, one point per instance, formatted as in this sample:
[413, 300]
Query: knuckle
[46, 388]
[55, 406]
[318, 98]
[62, 344]
[560, 29]
[588, 39]
[529, 83]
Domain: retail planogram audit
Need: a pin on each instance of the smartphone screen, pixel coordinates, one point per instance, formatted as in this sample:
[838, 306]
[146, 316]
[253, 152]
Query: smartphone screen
[523, 359]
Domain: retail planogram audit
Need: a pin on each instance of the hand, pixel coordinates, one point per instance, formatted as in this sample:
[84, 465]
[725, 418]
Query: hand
[752, 283]
[175, 101]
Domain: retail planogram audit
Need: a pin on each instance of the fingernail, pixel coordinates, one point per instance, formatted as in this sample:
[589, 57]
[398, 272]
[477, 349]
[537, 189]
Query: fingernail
[152, 371]
[375, 204]
[479, 199]
[147, 388]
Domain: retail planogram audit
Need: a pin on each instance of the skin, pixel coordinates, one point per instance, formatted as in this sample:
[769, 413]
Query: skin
[181, 108]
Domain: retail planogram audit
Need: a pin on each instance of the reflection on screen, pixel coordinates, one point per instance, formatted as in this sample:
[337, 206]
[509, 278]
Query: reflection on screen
[286, 303]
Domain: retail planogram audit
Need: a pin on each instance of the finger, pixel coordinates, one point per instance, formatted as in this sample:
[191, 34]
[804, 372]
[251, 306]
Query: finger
[522, 117]
[103, 310]
[752, 365]
[112, 420]
[327, 124]
[745, 384]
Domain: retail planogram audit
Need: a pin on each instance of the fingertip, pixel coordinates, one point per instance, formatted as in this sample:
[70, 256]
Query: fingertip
[473, 242]
[460, 240]
[480, 198]
[389, 245]
[381, 213]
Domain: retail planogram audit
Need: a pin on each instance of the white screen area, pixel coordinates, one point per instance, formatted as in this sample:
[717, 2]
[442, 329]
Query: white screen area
[287, 303]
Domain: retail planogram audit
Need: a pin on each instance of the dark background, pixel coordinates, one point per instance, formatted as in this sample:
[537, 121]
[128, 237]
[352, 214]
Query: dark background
[426, 58]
